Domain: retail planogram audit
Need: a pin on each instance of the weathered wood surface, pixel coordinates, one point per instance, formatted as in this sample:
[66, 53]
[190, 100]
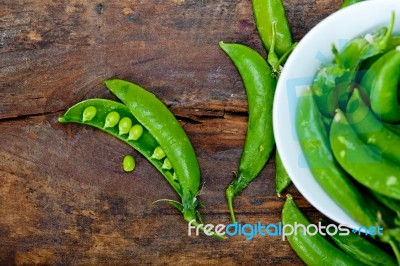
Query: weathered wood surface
[64, 198]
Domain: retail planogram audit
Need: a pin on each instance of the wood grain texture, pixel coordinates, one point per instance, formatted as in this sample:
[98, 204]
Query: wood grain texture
[63, 195]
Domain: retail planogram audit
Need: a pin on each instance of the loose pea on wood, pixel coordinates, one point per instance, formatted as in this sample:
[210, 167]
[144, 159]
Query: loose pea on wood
[112, 119]
[124, 125]
[128, 163]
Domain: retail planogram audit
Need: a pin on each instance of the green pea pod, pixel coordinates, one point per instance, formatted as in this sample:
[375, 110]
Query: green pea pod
[314, 141]
[384, 93]
[313, 250]
[363, 250]
[260, 89]
[282, 179]
[166, 130]
[371, 130]
[268, 13]
[361, 162]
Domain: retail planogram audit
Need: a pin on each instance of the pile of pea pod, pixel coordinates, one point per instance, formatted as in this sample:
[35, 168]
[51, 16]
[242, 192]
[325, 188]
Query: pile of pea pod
[347, 123]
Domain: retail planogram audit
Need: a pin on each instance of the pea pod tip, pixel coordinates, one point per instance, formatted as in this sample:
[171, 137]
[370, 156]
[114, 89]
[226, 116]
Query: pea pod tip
[61, 119]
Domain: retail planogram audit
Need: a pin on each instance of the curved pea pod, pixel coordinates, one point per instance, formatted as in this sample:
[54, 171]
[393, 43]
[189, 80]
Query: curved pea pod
[384, 95]
[260, 142]
[146, 144]
[371, 130]
[314, 141]
[361, 162]
[363, 250]
[166, 130]
[313, 250]
[268, 13]
[282, 179]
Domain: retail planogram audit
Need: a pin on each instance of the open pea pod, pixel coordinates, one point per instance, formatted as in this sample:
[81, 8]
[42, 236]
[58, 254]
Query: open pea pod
[147, 125]
[145, 144]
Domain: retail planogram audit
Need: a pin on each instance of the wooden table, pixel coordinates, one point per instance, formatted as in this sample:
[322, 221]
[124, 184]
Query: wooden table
[64, 198]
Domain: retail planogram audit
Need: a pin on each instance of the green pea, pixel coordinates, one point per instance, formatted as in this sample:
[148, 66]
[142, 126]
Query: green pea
[158, 153]
[89, 113]
[167, 164]
[128, 163]
[111, 119]
[136, 132]
[125, 125]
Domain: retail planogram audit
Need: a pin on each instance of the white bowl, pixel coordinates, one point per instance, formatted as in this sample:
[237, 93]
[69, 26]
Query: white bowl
[298, 73]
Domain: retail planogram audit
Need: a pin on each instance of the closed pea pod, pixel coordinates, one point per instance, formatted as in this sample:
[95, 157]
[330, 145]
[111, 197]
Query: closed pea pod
[266, 14]
[172, 139]
[384, 88]
[361, 162]
[313, 250]
[314, 141]
[371, 130]
[260, 89]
